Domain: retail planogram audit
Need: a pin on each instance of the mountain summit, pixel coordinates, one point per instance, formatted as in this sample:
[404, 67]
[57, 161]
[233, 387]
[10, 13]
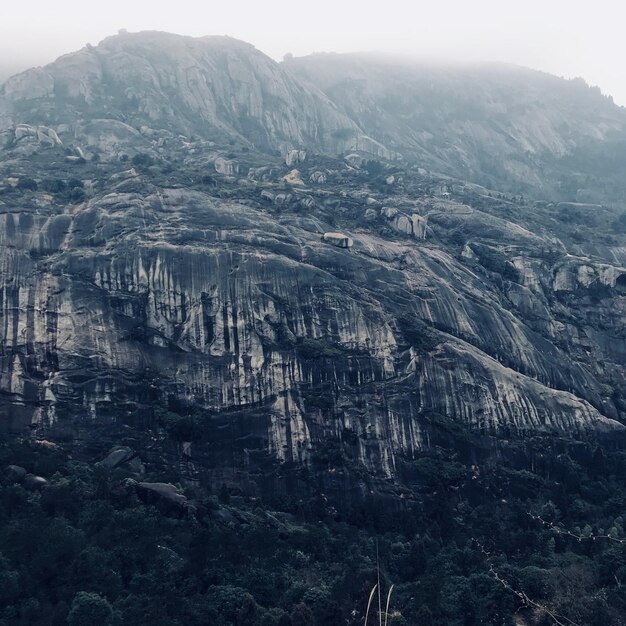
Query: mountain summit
[496, 125]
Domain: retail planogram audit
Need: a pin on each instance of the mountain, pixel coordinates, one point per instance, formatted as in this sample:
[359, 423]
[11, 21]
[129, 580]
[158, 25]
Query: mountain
[164, 261]
[210, 86]
[498, 125]
[273, 334]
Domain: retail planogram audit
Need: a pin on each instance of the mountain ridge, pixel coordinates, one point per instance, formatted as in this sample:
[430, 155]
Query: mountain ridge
[470, 121]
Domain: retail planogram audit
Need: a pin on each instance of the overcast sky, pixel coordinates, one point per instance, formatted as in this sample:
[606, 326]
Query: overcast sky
[567, 38]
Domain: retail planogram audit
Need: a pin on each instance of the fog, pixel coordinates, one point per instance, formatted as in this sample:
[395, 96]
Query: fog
[565, 38]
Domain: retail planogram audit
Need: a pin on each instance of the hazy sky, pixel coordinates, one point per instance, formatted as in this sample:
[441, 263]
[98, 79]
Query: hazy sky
[568, 38]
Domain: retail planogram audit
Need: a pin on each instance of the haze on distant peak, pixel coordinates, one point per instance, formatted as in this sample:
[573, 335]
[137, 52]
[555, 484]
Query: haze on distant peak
[566, 38]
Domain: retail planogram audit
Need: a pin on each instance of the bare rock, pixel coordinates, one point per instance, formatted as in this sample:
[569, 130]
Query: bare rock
[226, 167]
[293, 157]
[317, 177]
[165, 492]
[16, 473]
[34, 483]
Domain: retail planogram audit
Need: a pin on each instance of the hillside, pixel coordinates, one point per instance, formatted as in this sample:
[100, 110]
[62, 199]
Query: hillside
[365, 295]
[497, 125]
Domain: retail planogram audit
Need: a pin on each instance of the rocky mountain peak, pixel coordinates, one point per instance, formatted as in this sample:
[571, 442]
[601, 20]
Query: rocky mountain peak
[302, 248]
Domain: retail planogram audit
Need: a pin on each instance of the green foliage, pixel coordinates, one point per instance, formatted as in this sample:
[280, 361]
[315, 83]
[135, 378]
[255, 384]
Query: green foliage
[180, 427]
[77, 194]
[495, 261]
[142, 160]
[374, 168]
[82, 552]
[75, 183]
[72, 190]
[27, 184]
[619, 224]
[417, 334]
[312, 349]
[343, 134]
[301, 615]
[54, 185]
[89, 609]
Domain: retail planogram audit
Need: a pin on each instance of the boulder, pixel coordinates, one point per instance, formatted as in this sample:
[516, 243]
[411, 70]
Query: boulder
[16, 473]
[293, 157]
[125, 175]
[42, 134]
[354, 160]
[164, 492]
[317, 177]
[389, 212]
[34, 483]
[293, 178]
[413, 225]
[338, 239]
[122, 455]
[370, 215]
[227, 167]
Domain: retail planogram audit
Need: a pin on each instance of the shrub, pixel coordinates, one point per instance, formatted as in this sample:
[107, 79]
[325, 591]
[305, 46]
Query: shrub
[89, 609]
[27, 184]
[311, 349]
[142, 160]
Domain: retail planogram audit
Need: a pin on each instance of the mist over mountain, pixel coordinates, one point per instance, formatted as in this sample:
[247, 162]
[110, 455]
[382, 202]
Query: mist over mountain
[496, 125]
[362, 292]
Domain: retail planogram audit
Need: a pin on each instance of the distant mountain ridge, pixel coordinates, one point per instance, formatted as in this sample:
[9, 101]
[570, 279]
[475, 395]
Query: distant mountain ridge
[500, 126]
[493, 123]
[216, 87]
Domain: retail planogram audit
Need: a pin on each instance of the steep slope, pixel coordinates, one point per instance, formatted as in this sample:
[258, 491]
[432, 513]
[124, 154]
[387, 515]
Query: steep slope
[217, 87]
[186, 300]
[498, 125]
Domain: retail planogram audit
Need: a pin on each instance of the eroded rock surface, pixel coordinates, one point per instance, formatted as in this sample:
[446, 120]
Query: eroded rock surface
[171, 284]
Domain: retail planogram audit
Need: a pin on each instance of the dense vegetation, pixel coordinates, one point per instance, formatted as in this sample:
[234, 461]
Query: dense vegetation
[85, 549]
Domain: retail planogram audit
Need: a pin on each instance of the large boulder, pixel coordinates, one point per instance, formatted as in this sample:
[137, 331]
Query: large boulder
[164, 493]
[16, 473]
[227, 167]
[34, 483]
[122, 455]
[293, 157]
[42, 134]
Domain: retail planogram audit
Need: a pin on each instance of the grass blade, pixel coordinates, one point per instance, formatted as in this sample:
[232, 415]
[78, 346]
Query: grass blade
[387, 607]
[369, 603]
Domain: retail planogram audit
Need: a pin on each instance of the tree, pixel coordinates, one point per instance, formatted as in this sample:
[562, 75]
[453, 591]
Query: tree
[224, 494]
[73, 183]
[276, 617]
[27, 184]
[301, 615]
[248, 614]
[77, 194]
[141, 159]
[89, 609]
[54, 185]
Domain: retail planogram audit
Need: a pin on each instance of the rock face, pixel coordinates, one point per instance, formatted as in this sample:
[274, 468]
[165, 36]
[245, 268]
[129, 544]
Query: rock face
[203, 311]
[486, 123]
[218, 87]
[169, 296]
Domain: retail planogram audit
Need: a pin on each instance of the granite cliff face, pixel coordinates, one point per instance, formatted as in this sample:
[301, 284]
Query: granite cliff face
[117, 93]
[192, 285]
